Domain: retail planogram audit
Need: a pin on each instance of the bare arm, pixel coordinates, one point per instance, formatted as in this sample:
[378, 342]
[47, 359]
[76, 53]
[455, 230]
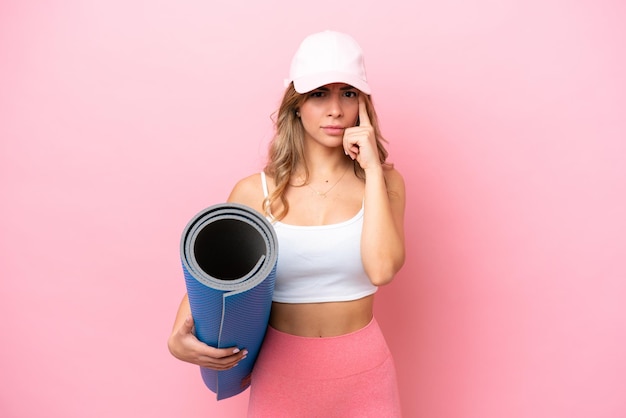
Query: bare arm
[382, 241]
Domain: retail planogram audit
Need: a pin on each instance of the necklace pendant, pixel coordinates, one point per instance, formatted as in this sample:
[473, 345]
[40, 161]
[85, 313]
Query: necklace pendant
[317, 192]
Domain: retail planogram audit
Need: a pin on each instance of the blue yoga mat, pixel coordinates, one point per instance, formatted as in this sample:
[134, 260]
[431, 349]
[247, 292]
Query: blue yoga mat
[229, 254]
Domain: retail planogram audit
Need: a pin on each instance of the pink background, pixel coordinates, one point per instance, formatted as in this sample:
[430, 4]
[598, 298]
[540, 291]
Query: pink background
[119, 120]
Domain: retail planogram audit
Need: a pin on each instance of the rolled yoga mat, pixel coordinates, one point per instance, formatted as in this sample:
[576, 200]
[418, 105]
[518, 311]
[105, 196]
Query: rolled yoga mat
[229, 253]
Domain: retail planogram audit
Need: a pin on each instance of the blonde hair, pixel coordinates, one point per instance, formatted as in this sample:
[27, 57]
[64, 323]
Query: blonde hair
[286, 150]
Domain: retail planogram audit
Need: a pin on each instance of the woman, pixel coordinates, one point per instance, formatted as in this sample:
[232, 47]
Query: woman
[337, 208]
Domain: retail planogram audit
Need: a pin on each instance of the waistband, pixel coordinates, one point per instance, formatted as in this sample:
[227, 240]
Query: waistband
[323, 358]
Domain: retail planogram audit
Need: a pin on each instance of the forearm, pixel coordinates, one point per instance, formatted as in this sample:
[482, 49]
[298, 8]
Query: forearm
[184, 311]
[382, 241]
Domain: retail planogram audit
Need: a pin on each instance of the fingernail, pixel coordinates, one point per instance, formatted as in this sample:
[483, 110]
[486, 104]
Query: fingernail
[236, 350]
[245, 352]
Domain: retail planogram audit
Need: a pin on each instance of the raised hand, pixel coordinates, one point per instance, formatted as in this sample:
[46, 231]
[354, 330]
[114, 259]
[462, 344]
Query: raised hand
[359, 142]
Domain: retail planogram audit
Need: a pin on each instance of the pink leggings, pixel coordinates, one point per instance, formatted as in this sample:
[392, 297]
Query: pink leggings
[351, 375]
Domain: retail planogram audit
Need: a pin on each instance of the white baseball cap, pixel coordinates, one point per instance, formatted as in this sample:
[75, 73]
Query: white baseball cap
[328, 57]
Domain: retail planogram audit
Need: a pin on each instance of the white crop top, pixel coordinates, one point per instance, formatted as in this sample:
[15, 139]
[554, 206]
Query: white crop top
[320, 263]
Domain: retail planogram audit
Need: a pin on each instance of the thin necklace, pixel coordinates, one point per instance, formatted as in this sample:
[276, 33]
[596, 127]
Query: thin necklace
[323, 194]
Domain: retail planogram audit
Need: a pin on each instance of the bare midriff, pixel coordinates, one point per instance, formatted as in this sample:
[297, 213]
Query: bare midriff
[327, 319]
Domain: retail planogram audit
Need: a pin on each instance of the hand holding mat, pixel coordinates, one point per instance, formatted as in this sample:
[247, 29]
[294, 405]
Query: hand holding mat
[229, 252]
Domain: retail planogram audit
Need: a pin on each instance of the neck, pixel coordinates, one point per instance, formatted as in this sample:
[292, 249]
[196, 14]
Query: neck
[324, 170]
[324, 162]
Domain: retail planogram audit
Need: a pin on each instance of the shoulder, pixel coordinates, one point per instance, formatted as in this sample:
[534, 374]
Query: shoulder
[394, 181]
[248, 191]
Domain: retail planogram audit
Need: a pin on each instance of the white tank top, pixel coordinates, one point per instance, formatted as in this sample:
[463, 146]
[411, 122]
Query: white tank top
[320, 263]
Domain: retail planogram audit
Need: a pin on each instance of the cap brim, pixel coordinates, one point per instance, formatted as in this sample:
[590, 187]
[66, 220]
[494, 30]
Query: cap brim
[309, 83]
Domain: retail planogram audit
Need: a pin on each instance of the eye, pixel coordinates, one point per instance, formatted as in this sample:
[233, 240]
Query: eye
[317, 94]
[350, 94]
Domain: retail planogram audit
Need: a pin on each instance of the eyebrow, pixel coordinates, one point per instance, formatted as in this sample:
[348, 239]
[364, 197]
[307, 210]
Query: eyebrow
[348, 87]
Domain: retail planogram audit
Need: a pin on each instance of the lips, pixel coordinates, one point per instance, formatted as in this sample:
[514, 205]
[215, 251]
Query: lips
[333, 130]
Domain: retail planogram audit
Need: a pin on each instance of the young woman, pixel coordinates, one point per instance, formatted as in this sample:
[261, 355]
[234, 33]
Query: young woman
[337, 207]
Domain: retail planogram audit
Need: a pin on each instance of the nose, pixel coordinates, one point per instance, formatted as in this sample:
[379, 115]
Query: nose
[334, 106]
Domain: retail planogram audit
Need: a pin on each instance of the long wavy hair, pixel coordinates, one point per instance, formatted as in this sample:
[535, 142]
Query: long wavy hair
[286, 150]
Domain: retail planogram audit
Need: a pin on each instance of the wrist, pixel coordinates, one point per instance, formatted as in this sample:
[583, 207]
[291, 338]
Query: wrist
[375, 170]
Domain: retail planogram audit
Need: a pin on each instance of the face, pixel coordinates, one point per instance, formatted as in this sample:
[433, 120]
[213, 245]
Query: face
[328, 111]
